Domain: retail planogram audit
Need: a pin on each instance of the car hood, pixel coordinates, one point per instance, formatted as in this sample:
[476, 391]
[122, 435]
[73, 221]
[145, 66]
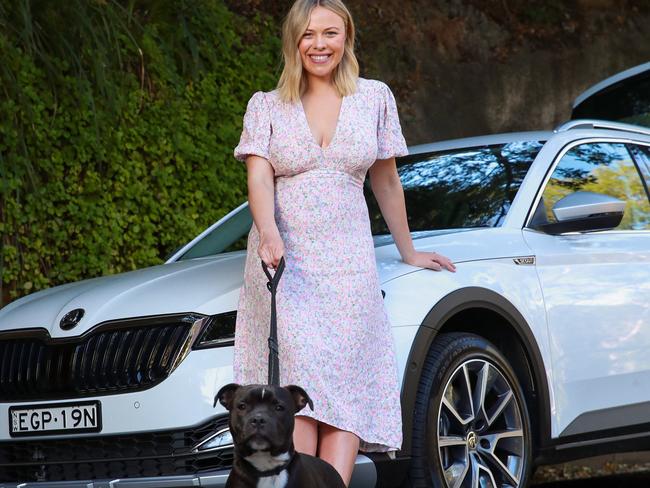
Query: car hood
[195, 285]
[210, 285]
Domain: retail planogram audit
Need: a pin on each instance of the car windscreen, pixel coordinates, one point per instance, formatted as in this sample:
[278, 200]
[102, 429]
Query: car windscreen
[463, 188]
[471, 187]
[229, 235]
[627, 101]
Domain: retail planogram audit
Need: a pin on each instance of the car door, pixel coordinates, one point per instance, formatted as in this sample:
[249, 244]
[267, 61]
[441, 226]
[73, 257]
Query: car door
[596, 288]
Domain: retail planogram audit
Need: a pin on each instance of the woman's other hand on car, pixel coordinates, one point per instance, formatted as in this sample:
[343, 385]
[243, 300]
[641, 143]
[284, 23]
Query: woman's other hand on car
[430, 260]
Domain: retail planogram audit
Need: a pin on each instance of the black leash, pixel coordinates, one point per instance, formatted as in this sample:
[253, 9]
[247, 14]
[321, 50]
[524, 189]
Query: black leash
[274, 359]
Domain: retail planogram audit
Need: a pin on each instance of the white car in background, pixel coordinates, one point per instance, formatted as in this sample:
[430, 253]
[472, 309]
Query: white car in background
[534, 351]
[624, 97]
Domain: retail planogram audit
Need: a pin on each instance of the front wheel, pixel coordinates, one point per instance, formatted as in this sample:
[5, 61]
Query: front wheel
[471, 427]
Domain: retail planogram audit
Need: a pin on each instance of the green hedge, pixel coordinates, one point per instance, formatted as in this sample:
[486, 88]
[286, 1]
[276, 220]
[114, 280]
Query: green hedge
[117, 128]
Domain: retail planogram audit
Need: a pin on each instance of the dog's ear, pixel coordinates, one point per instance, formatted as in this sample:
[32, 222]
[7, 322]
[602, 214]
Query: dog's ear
[300, 397]
[225, 395]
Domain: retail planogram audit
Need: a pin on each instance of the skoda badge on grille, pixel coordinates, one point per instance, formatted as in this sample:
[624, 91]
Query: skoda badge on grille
[71, 319]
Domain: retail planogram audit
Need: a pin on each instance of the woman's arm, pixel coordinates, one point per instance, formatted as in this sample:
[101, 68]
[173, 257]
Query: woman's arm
[261, 191]
[388, 191]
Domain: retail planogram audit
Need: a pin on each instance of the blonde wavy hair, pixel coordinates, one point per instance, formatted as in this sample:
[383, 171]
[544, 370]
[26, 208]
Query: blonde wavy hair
[293, 83]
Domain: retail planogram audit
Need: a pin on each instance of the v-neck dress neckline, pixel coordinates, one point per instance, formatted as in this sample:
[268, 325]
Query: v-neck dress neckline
[312, 138]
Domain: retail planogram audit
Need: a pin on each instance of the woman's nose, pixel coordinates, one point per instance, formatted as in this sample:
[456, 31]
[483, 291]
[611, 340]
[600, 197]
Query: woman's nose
[320, 41]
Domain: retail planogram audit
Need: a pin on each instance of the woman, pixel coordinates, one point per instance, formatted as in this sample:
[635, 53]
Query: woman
[308, 145]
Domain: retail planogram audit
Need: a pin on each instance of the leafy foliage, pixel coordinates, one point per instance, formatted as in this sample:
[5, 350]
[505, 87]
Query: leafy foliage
[116, 131]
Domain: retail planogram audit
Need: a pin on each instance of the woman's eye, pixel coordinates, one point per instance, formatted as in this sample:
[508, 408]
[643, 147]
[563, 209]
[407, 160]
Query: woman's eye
[241, 406]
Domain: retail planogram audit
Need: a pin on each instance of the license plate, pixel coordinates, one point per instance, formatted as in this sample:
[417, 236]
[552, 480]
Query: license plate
[55, 418]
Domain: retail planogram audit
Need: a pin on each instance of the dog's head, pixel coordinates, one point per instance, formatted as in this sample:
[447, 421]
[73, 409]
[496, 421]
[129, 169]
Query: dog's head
[262, 416]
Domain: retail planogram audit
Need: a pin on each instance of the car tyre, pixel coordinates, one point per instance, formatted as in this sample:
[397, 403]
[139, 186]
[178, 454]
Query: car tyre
[471, 426]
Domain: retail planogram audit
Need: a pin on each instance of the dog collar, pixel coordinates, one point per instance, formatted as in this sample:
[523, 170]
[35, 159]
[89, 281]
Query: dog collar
[271, 472]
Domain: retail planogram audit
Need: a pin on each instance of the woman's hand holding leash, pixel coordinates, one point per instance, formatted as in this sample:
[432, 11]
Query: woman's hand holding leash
[271, 247]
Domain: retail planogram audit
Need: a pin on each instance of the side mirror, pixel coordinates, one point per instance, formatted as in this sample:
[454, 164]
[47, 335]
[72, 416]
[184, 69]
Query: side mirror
[584, 211]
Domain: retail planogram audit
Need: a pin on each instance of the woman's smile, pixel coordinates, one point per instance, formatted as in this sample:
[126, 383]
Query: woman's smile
[320, 58]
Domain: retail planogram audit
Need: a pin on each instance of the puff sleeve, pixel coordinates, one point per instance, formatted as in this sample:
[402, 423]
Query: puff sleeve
[390, 141]
[256, 133]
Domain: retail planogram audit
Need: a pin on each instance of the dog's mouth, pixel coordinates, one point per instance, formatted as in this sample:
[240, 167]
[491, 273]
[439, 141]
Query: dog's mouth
[259, 445]
[258, 442]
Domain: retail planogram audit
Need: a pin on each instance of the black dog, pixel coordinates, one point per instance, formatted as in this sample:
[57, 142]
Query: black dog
[261, 424]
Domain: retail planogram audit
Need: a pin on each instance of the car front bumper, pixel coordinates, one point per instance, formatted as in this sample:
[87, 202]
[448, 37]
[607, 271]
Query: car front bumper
[215, 479]
[364, 476]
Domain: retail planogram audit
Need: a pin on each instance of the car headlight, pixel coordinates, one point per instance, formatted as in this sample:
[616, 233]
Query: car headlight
[219, 330]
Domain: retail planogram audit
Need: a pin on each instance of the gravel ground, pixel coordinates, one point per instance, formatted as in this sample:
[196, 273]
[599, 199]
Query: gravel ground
[638, 480]
[631, 466]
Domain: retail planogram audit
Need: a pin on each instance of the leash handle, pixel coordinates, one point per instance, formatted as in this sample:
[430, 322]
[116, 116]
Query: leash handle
[275, 278]
[274, 359]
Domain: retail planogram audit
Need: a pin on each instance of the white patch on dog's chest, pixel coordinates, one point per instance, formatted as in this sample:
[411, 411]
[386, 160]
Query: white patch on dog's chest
[263, 461]
[277, 481]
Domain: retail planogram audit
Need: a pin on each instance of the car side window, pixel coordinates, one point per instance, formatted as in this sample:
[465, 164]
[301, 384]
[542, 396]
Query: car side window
[605, 168]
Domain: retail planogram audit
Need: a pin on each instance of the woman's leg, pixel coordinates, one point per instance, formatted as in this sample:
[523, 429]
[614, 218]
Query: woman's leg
[305, 435]
[339, 448]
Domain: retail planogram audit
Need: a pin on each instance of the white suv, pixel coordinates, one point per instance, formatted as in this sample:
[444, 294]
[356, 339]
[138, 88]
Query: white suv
[534, 351]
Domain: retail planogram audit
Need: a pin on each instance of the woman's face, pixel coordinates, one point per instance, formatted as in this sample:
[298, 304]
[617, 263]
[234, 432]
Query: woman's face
[322, 45]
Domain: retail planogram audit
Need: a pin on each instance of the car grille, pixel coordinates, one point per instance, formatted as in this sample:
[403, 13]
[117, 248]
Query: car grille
[163, 453]
[117, 358]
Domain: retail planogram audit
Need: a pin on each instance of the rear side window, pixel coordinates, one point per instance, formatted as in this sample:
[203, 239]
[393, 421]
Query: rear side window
[464, 188]
[604, 168]
[627, 101]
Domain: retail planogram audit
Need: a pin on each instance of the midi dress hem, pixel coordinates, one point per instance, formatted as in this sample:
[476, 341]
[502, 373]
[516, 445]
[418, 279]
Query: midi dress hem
[365, 444]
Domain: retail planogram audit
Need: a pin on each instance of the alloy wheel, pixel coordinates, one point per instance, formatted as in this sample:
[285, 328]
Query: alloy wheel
[480, 431]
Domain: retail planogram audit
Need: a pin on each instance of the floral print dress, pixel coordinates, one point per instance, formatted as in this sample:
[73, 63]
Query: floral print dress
[334, 336]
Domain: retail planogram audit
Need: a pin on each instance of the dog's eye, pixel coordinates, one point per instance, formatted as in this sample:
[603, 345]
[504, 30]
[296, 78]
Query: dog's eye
[279, 407]
[241, 406]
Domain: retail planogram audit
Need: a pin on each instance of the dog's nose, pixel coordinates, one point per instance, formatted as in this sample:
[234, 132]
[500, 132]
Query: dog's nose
[258, 420]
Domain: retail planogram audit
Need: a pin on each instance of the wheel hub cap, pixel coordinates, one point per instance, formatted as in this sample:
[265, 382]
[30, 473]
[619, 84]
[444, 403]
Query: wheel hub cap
[471, 440]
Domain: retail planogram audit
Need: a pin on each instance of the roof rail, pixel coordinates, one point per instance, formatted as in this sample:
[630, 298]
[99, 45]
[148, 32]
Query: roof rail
[602, 124]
